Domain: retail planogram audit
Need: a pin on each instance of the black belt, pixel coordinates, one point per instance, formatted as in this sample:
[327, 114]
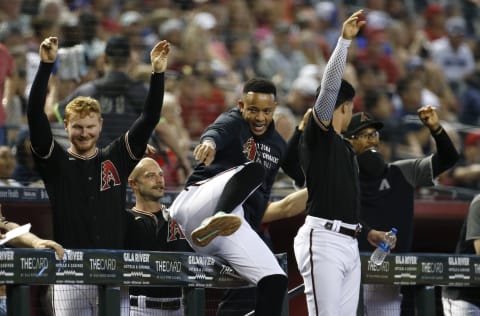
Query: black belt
[172, 305]
[346, 231]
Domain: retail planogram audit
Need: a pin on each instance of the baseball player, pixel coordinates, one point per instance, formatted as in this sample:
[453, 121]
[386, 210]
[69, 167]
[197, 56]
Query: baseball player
[86, 185]
[326, 247]
[149, 229]
[225, 197]
[388, 192]
[460, 301]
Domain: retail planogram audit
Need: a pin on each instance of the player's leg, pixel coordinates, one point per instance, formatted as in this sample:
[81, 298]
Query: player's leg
[203, 209]
[250, 257]
[459, 307]
[75, 299]
[322, 257]
[382, 299]
[235, 191]
[352, 279]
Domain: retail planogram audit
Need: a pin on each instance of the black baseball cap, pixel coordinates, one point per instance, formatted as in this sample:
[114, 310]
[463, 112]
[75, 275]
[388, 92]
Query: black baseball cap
[117, 46]
[362, 120]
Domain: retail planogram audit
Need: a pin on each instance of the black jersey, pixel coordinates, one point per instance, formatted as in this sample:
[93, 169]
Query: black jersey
[333, 192]
[235, 145]
[150, 231]
[87, 194]
[388, 201]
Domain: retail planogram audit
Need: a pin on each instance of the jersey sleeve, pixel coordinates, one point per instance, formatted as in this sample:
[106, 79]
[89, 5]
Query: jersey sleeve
[417, 172]
[40, 133]
[142, 128]
[331, 81]
[473, 220]
[223, 130]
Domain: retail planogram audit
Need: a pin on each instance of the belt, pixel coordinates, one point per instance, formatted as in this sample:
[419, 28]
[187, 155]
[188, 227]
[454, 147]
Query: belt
[169, 305]
[344, 230]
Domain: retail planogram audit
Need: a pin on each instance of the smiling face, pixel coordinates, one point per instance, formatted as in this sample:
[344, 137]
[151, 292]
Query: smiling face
[367, 138]
[257, 110]
[83, 133]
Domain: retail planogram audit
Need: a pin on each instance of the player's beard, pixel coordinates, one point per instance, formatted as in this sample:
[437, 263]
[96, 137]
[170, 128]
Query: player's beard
[84, 145]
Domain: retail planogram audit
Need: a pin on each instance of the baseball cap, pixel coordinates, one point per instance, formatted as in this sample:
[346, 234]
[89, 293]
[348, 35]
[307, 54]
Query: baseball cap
[130, 17]
[472, 139]
[361, 120]
[432, 9]
[456, 26]
[117, 46]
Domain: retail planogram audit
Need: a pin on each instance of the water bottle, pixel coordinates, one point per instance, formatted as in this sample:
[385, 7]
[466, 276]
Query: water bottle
[379, 254]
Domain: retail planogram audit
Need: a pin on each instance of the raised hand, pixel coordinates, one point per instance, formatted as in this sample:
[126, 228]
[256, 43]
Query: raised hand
[352, 25]
[48, 49]
[428, 116]
[158, 56]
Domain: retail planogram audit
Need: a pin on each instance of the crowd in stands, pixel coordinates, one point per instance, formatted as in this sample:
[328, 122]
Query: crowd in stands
[409, 54]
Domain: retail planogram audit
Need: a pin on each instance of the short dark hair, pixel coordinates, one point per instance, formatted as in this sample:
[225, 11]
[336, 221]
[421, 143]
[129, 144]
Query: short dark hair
[260, 85]
[345, 94]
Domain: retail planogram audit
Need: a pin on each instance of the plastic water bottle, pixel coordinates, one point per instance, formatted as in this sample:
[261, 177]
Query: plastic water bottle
[381, 252]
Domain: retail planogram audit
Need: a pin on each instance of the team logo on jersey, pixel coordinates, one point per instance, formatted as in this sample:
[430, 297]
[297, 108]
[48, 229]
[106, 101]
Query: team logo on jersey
[250, 149]
[110, 177]
[174, 231]
[384, 185]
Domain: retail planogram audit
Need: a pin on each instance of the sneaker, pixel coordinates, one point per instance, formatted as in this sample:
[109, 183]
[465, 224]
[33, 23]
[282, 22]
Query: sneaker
[220, 224]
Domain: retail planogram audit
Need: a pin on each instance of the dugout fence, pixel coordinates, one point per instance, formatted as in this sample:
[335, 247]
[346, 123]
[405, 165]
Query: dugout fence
[111, 269]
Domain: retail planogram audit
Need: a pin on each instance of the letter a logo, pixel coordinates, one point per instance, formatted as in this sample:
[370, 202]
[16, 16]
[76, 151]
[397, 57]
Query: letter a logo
[384, 185]
[109, 176]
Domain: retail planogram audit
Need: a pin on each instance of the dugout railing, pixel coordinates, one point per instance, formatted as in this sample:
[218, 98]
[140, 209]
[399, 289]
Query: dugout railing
[111, 269]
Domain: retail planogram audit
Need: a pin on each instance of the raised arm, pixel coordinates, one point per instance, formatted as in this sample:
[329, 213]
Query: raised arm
[446, 155]
[143, 127]
[332, 76]
[40, 133]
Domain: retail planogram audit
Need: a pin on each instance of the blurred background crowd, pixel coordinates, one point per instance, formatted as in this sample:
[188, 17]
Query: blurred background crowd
[410, 54]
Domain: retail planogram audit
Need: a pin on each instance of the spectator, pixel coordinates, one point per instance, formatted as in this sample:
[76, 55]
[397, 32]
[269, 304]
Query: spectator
[25, 172]
[281, 62]
[148, 228]
[86, 184]
[470, 101]
[467, 172]
[7, 166]
[453, 54]
[7, 74]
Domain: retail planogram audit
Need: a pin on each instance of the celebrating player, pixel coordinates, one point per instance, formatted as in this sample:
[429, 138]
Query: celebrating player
[326, 247]
[388, 192]
[86, 185]
[239, 155]
[148, 229]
